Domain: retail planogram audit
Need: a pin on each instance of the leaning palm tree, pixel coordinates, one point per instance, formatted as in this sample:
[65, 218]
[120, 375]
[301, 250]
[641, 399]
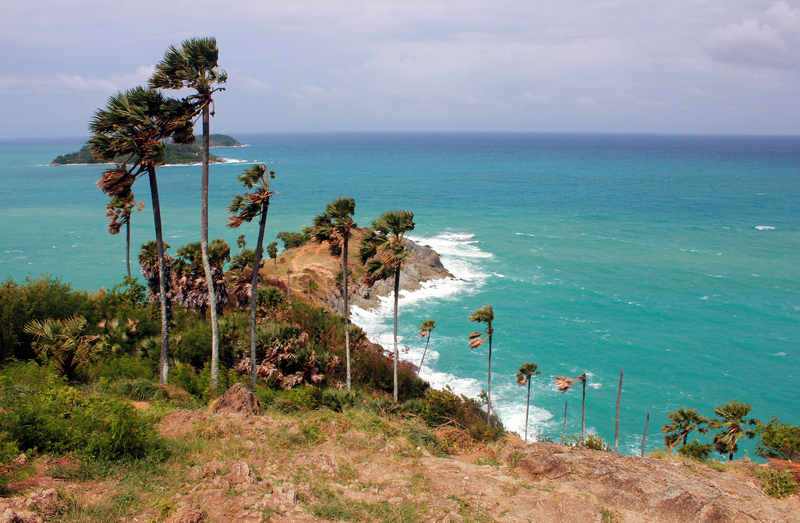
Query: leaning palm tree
[193, 65]
[384, 248]
[563, 385]
[118, 211]
[732, 423]
[684, 421]
[244, 208]
[336, 226]
[425, 331]
[133, 128]
[484, 315]
[526, 372]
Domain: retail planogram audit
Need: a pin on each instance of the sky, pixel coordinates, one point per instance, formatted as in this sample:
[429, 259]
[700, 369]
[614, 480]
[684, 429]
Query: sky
[680, 66]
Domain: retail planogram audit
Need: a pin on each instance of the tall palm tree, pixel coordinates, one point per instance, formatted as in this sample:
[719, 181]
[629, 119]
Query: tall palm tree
[425, 331]
[133, 128]
[384, 248]
[684, 421]
[244, 208]
[118, 211]
[484, 315]
[563, 385]
[336, 226]
[732, 423]
[526, 372]
[193, 65]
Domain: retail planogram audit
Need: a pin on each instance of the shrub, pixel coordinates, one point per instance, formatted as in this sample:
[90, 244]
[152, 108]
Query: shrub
[696, 450]
[592, 441]
[340, 400]
[776, 483]
[444, 406]
[778, 440]
[124, 367]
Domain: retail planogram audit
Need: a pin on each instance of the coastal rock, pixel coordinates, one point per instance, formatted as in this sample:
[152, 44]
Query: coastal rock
[237, 400]
[423, 265]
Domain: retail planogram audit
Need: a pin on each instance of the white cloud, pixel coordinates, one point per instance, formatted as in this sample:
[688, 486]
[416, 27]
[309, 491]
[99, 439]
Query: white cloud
[771, 40]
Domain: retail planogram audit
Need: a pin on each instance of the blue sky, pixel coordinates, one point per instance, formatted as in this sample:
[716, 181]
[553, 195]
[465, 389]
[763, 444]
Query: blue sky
[682, 66]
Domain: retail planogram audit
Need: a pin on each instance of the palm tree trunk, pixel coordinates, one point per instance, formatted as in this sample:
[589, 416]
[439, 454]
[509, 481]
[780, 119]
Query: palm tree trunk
[396, 304]
[162, 277]
[489, 392]
[583, 412]
[644, 437]
[212, 298]
[424, 352]
[564, 429]
[128, 245]
[616, 426]
[276, 271]
[346, 311]
[254, 294]
[527, 407]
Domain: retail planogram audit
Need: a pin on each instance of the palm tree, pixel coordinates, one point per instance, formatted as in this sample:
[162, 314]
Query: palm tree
[733, 427]
[684, 421]
[133, 127]
[336, 226]
[244, 208]
[118, 211]
[189, 283]
[272, 252]
[425, 331]
[384, 248]
[193, 65]
[526, 372]
[484, 315]
[563, 385]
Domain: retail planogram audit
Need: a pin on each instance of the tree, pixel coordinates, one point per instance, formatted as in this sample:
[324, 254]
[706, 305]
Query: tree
[335, 226]
[563, 385]
[778, 440]
[526, 372]
[684, 421]
[383, 251]
[188, 276]
[118, 211]
[193, 65]
[732, 422]
[484, 315]
[134, 126]
[272, 251]
[244, 208]
[425, 331]
[67, 342]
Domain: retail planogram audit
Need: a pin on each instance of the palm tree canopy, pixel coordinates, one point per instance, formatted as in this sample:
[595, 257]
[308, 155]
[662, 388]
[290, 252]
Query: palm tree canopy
[563, 384]
[119, 210]
[386, 237]
[133, 127]
[526, 371]
[483, 315]
[193, 64]
[683, 422]
[426, 328]
[732, 423]
[272, 250]
[336, 224]
[246, 207]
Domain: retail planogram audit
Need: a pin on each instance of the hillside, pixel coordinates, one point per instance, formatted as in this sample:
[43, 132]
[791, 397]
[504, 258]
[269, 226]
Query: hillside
[174, 154]
[361, 465]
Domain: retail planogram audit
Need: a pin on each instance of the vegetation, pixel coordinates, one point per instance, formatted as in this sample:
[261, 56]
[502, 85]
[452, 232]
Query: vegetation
[119, 211]
[484, 315]
[684, 422]
[778, 440]
[244, 208]
[733, 423]
[425, 331]
[382, 253]
[526, 372]
[335, 226]
[776, 483]
[292, 240]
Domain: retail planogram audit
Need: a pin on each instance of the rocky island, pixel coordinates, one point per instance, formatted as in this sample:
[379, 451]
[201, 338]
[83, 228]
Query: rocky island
[174, 154]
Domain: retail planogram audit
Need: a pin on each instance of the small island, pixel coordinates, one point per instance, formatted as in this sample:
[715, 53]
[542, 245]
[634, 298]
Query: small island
[174, 154]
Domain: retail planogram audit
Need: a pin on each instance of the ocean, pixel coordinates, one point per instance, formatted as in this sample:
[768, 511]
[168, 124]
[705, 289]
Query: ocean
[673, 257]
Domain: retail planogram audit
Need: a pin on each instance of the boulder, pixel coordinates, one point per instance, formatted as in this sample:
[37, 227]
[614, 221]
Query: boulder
[238, 400]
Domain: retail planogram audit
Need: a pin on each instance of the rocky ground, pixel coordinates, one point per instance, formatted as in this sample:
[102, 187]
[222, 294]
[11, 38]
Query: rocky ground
[360, 466]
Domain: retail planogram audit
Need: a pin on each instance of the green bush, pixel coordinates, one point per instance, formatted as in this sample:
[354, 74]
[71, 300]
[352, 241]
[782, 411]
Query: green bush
[138, 389]
[340, 400]
[592, 441]
[444, 406]
[776, 483]
[124, 367]
[696, 450]
[778, 440]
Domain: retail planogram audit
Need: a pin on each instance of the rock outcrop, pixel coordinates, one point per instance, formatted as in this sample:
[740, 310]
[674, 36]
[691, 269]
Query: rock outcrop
[237, 400]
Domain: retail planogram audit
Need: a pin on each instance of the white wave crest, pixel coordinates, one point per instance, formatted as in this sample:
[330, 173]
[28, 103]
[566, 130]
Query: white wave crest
[764, 227]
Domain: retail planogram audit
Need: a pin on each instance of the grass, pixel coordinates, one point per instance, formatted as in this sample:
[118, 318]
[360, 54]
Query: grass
[331, 506]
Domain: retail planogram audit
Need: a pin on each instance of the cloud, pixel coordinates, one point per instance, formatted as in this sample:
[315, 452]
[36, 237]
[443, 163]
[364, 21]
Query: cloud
[694, 92]
[771, 40]
[110, 84]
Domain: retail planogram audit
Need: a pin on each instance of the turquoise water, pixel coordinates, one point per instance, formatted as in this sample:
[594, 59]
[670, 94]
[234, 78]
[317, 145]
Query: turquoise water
[673, 257]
